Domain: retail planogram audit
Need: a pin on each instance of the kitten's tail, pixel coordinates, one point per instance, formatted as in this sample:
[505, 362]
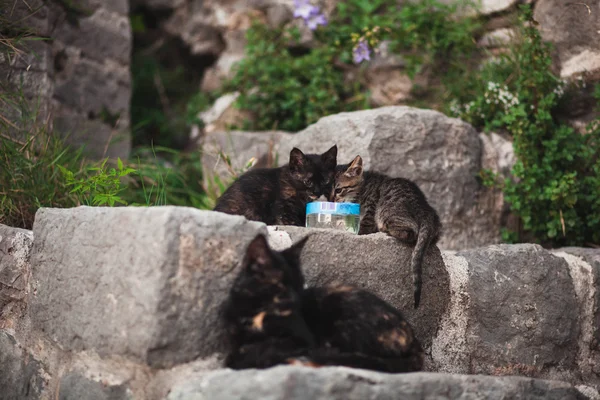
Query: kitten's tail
[424, 237]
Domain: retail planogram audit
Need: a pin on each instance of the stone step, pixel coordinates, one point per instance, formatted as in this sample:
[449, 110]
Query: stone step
[141, 288]
[333, 383]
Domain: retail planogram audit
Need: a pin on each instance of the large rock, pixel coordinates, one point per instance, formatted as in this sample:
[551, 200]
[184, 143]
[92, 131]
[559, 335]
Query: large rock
[377, 263]
[241, 149]
[146, 283]
[26, 73]
[442, 155]
[513, 311]
[584, 267]
[573, 29]
[333, 383]
[15, 250]
[80, 75]
[22, 377]
[93, 81]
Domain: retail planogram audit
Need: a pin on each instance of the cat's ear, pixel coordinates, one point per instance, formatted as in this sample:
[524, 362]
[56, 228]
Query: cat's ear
[293, 252]
[355, 169]
[258, 253]
[330, 156]
[297, 160]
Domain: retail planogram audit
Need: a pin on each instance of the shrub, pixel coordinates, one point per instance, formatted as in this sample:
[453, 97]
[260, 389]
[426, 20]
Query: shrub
[555, 187]
[285, 90]
[288, 86]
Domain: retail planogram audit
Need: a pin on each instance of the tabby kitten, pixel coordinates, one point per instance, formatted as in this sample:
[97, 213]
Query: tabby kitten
[272, 320]
[278, 196]
[395, 206]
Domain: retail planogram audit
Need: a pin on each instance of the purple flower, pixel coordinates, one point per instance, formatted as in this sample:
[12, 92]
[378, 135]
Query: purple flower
[315, 21]
[361, 52]
[310, 14]
[303, 9]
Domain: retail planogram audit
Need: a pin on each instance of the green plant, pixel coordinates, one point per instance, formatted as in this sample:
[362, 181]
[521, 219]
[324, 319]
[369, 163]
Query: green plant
[29, 162]
[98, 185]
[285, 89]
[427, 32]
[555, 183]
[287, 86]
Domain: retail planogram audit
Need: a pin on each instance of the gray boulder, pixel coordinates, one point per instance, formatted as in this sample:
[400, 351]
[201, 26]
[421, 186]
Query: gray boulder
[573, 29]
[332, 383]
[240, 148]
[377, 263]
[22, 376]
[92, 78]
[441, 154]
[513, 311]
[15, 250]
[584, 267]
[146, 283]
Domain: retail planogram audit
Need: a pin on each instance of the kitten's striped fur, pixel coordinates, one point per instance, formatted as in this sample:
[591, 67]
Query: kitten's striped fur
[395, 206]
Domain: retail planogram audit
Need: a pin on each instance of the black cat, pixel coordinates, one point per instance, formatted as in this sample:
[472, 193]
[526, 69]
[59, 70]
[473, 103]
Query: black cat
[272, 320]
[278, 196]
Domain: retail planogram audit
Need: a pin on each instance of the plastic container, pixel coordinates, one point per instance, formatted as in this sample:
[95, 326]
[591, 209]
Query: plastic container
[341, 216]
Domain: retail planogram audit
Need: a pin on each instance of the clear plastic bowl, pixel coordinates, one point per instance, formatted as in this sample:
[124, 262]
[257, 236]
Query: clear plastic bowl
[340, 216]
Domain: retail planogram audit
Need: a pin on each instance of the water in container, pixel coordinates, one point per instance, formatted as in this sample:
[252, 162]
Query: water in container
[341, 216]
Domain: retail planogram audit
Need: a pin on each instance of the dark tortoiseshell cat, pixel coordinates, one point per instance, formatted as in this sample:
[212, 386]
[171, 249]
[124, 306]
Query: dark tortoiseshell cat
[272, 320]
[395, 206]
[278, 196]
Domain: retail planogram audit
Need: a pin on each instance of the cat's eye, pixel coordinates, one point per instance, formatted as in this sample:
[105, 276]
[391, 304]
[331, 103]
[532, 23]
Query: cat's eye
[307, 182]
[338, 190]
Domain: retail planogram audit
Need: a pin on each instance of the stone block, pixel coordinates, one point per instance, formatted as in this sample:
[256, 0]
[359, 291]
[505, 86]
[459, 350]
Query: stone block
[573, 30]
[90, 87]
[377, 263]
[338, 383]
[513, 312]
[584, 265]
[102, 35]
[98, 139]
[15, 250]
[240, 148]
[145, 283]
[22, 376]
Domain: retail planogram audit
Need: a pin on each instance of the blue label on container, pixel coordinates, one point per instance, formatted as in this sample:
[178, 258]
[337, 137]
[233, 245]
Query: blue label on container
[324, 207]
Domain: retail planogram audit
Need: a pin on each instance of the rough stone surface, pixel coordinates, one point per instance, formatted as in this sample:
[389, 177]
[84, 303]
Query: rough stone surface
[517, 315]
[88, 376]
[241, 148]
[15, 250]
[332, 383]
[154, 279]
[93, 81]
[103, 35]
[76, 386]
[497, 38]
[97, 138]
[374, 262]
[21, 375]
[80, 75]
[573, 29]
[388, 86]
[125, 303]
[222, 115]
[584, 267]
[497, 153]
[442, 155]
